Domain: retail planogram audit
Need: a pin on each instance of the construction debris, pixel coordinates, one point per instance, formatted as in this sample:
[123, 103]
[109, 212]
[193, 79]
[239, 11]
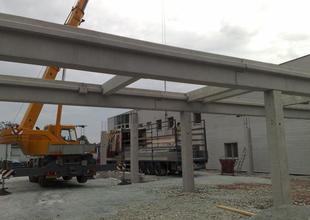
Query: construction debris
[239, 211]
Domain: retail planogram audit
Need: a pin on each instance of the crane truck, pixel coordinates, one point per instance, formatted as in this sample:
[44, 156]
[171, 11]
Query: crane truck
[55, 151]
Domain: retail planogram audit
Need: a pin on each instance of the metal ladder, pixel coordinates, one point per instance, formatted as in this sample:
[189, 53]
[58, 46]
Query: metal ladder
[241, 160]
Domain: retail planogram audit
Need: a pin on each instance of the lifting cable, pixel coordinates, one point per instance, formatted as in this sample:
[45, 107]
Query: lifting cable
[163, 37]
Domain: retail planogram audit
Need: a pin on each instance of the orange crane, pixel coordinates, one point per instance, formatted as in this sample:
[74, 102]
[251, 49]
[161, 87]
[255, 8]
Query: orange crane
[57, 143]
[36, 142]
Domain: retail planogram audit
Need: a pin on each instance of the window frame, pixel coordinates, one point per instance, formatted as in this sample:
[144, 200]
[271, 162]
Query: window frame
[231, 150]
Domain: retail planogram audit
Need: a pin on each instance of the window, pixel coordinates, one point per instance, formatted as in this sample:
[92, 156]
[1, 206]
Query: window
[121, 119]
[68, 134]
[197, 118]
[170, 122]
[158, 123]
[73, 134]
[149, 125]
[231, 150]
[65, 134]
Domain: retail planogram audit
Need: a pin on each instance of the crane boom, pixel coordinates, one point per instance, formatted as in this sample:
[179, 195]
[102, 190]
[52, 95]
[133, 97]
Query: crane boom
[34, 109]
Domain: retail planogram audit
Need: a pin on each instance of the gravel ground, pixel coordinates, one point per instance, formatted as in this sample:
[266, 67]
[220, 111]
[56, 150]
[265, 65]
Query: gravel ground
[158, 198]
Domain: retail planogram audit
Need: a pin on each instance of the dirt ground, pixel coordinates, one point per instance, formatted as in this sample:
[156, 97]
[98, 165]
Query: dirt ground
[159, 198]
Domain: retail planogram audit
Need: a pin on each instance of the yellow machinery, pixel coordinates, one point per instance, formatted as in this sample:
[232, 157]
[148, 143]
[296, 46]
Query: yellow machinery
[36, 142]
[56, 151]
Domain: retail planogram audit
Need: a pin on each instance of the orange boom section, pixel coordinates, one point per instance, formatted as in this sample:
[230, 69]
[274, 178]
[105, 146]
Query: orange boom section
[36, 142]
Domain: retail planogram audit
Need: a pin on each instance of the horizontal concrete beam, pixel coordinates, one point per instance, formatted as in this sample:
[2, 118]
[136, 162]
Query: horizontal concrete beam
[93, 51]
[295, 100]
[224, 95]
[218, 93]
[152, 93]
[200, 94]
[117, 83]
[22, 89]
[212, 94]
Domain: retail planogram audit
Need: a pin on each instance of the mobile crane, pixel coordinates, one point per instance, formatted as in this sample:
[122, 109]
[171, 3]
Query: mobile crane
[56, 150]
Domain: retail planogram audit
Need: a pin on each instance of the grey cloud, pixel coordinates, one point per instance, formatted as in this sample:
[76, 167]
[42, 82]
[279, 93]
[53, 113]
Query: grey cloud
[56, 10]
[295, 37]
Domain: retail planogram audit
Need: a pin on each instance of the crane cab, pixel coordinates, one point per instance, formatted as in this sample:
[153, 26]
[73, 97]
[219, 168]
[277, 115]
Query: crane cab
[66, 133]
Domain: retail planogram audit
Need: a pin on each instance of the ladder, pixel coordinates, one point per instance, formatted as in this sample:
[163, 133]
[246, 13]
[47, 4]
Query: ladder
[241, 160]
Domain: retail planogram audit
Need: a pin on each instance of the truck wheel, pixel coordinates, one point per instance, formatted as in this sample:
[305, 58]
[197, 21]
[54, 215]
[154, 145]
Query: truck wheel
[33, 179]
[42, 181]
[67, 178]
[163, 171]
[157, 171]
[81, 179]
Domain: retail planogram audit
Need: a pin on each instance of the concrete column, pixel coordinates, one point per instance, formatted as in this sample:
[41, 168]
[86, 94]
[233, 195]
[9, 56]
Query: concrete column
[281, 189]
[134, 147]
[250, 170]
[103, 148]
[248, 139]
[187, 152]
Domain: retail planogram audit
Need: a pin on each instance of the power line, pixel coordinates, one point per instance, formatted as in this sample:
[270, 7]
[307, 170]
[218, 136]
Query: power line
[163, 22]
[163, 36]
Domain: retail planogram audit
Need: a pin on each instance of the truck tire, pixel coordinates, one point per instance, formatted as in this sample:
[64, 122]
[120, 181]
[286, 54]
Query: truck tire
[67, 178]
[33, 179]
[163, 171]
[43, 182]
[81, 179]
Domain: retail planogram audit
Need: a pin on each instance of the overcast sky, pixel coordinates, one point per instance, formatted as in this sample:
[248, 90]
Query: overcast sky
[266, 30]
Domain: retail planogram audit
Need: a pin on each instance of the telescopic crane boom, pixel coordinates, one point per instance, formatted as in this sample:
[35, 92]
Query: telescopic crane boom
[74, 19]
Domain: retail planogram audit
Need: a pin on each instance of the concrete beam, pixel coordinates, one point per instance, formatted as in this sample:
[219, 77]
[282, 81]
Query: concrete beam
[74, 48]
[200, 94]
[212, 94]
[117, 83]
[22, 89]
[294, 100]
[187, 152]
[134, 147]
[224, 95]
[281, 189]
[152, 93]
[218, 93]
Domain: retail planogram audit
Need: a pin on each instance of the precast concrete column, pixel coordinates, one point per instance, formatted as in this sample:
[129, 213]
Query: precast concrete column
[250, 170]
[281, 189]
[103, 148]
[248, 139]
[187, 152]
[134, 147]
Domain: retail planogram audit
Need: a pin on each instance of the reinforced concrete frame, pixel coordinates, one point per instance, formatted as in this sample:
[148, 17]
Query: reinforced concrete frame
[131, 60]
